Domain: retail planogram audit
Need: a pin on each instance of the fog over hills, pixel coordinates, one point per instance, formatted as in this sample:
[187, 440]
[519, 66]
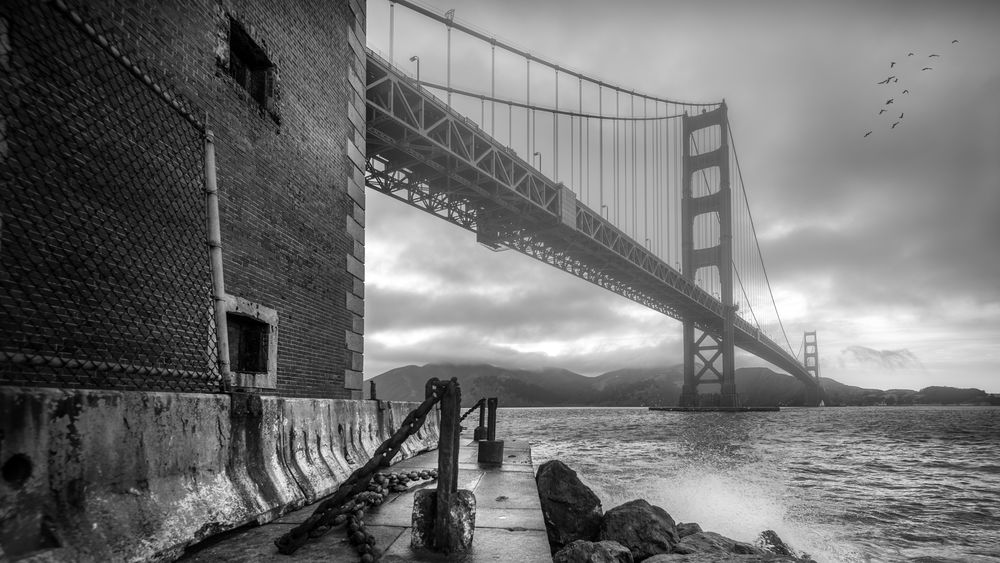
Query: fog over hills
[637, 387]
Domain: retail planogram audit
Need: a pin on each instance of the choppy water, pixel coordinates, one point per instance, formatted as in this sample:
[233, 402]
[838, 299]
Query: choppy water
[842, 484]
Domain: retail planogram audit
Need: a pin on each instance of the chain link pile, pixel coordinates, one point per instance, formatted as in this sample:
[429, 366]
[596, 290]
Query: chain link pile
[345, 500]
[352, 514]
[104, 268]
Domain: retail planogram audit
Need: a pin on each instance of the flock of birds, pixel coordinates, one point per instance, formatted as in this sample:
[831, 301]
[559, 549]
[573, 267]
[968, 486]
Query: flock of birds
[893, 79]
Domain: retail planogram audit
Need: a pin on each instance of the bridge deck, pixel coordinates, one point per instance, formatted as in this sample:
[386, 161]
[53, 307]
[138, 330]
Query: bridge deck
[422, 152]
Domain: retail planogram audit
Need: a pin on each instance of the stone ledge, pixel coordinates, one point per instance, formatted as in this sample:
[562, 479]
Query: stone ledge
[131, 475]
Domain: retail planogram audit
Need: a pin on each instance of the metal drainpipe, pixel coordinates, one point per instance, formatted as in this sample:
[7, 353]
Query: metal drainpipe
[215, 256]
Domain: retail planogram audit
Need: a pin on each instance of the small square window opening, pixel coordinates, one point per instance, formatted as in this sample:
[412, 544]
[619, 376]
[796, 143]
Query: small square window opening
[248, 344]
[249, 65]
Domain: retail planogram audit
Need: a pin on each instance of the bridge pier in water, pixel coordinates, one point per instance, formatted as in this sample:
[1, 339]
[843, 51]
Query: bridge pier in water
[714, 346]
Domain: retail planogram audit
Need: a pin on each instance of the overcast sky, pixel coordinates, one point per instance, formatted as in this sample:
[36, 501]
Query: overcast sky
[888, 246]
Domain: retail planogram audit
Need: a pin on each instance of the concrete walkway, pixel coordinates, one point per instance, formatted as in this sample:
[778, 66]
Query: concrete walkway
[509, 524]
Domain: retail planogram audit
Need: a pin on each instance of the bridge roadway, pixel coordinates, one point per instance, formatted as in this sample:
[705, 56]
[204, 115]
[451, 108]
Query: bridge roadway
[422, 152]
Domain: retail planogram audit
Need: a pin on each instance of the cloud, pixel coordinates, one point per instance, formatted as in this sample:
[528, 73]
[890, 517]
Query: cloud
[888, 243]
[884, 359]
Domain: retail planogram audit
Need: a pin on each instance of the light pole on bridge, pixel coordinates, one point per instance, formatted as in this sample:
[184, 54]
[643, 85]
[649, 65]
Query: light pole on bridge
[416, 59]
[539, 155]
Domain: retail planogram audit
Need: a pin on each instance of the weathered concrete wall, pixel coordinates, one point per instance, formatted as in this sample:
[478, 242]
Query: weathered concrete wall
[106, 475]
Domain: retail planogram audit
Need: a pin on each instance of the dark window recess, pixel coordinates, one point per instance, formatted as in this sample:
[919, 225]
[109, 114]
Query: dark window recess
[247, 344]
[249, 65]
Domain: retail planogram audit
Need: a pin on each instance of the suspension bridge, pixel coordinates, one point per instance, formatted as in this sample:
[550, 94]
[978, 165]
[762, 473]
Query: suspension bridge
[639, 194]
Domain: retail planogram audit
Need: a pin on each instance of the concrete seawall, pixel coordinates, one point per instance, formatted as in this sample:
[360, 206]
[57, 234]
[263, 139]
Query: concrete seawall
[111, 475]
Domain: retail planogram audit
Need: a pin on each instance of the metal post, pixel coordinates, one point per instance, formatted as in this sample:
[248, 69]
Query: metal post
[479, 433]
[491, 424]
[491, 449]
[214, 239]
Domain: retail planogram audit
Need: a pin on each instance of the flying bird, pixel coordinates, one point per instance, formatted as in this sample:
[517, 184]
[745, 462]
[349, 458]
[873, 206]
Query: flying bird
[889, 101]
[894, 79]
[931, 56]
[886, 81]
[881, 111]
[892, 64]
[909, 54]
[894, 125]
[901, 116]
[927, 68]
[906, 91]
[953, 41]
[868, 133]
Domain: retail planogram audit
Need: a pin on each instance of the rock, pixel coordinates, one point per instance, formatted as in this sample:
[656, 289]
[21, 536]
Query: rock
[771, 543]
[571, 510]
[644, 529]
[719, 557]
[685, 529]
[583, 551]
[710, 542]
[463, 515]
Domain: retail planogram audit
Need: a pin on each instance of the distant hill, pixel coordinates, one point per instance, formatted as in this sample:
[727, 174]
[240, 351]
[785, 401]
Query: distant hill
[637, 387]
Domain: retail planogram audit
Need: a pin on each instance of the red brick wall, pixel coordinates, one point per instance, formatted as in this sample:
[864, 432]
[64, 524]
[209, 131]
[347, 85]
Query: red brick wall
[291, 190]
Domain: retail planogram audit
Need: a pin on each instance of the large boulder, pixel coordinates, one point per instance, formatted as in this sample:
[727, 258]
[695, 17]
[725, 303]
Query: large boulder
[582, 551]
[644, 529]
[771, 543]
[720, 557]
[571, 510]
[710, 542]
[685, 529]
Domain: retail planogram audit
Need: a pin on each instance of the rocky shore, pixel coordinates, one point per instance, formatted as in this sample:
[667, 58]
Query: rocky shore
[581, 532]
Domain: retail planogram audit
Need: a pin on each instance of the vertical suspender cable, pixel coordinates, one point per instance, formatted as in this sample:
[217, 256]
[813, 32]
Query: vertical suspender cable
[635, 184]
[616, 166]
[555, 134]
[580, 104]
[600, 148]
[572, 151]
[527, 113]
[493, 86]
[392, 6]
[449, 62]
[645, 175]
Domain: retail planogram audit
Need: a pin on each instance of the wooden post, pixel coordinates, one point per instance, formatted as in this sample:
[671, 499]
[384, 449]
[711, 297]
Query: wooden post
[451, 406]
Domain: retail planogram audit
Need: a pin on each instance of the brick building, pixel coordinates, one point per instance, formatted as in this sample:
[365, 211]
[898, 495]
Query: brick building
[280, 85]
[111, 375]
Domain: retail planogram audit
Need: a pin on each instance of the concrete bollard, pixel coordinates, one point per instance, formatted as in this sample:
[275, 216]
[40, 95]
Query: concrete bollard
[461, 515]
[491, 451]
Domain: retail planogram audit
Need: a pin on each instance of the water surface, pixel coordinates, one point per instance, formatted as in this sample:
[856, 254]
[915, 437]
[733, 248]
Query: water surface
[843, 484]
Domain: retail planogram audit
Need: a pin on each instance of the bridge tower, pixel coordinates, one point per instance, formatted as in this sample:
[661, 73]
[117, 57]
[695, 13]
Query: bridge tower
[714, 350]
[810, 353]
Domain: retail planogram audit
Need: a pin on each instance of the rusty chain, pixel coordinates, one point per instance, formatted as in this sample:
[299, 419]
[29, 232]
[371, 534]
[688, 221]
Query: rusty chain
[472, 408]
[337, 504]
